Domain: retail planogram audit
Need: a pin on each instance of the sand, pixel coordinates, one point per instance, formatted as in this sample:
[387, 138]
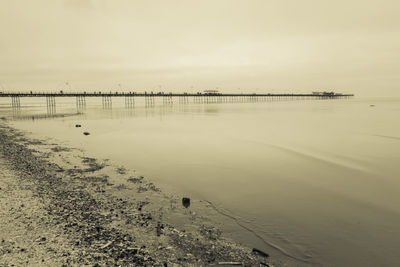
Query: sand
[61, 207]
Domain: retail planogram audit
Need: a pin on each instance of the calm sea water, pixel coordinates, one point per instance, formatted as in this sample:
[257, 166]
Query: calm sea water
[317, 179]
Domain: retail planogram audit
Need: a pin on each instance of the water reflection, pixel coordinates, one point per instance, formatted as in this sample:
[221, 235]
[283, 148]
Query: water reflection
[20, 117]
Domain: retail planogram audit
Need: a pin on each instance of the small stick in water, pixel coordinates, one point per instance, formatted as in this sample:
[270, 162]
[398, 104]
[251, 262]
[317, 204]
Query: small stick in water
[259, 252]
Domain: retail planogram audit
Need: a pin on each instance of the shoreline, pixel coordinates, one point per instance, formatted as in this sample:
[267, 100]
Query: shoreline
[99, 220]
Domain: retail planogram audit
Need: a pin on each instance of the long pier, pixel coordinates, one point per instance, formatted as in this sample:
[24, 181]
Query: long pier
[167, 98]
[161, 94]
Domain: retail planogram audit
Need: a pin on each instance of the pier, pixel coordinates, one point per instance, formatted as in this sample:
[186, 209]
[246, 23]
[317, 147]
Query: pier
[206, 97]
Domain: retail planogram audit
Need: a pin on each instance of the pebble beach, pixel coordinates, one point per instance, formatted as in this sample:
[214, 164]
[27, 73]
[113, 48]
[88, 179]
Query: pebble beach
[59, 208]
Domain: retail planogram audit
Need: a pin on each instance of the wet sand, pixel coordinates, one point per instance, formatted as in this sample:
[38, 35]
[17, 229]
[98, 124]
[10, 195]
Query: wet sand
[61, 207]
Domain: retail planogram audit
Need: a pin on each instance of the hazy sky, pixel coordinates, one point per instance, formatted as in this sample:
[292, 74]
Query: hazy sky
[176, 45]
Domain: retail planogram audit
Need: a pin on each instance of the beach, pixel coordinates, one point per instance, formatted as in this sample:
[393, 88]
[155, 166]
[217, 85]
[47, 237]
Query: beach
[59, 208]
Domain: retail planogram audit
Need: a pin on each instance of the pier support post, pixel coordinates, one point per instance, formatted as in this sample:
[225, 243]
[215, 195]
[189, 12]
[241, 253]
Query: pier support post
[80, 102]
[51, 104]
[129, 101]
[15, 102]
[184, 99]
[167, 99]
[149, 100]
[107, 102]
[16, 105]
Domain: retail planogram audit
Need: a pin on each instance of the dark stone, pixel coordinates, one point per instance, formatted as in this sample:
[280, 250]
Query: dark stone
[78, 125]
[186, 202]
[158, 229]
[86, 133]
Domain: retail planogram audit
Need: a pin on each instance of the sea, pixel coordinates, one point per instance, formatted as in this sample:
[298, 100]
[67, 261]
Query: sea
[313, 180]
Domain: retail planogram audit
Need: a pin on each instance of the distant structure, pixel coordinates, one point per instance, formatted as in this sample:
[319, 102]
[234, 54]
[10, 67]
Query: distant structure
[324, 93]
[211, 92]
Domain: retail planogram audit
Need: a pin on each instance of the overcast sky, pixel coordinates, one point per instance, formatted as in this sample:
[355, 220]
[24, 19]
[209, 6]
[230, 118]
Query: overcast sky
[176, 45]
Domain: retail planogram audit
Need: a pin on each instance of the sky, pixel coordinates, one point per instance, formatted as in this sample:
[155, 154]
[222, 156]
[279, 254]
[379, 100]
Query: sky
[256, 46]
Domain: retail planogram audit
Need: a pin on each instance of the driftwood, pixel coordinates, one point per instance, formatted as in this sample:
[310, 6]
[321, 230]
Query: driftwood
[260, 252]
